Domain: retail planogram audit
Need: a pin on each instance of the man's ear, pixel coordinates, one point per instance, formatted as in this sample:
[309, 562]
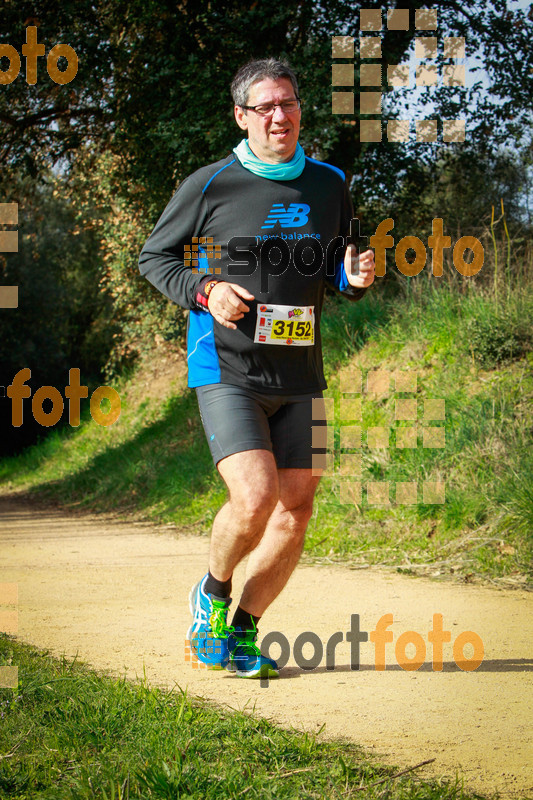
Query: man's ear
[241, 118]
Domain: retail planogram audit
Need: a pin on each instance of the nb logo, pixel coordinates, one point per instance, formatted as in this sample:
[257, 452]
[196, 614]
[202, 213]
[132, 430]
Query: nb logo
[294, 216]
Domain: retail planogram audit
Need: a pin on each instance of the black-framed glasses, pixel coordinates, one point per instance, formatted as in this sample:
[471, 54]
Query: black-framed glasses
[267, 109]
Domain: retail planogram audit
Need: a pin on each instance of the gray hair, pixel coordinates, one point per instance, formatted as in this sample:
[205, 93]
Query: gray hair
[256, 71]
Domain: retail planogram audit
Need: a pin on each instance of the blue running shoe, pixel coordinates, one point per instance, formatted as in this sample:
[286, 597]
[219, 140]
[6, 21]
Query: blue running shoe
[245, 659]
[208, 634]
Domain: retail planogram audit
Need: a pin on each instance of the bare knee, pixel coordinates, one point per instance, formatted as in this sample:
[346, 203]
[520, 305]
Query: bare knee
[254, 504]
[294, 520]
[253, 484]
[302, 513]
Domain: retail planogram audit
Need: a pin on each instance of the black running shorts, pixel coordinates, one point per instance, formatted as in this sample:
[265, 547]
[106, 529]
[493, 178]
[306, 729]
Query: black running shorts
[236, 419]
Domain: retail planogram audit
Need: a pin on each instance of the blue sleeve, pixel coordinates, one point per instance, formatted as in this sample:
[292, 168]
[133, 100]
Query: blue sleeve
[339, 279]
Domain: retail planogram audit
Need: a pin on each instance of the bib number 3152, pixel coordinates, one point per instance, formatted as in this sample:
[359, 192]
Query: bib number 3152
[286, 325]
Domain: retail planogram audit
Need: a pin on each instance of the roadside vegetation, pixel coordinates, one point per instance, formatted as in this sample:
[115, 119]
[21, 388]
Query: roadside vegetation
[457, 343]
[68, 733]
[90, 166]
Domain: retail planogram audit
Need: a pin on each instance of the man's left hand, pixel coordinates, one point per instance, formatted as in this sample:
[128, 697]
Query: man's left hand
[360, 268]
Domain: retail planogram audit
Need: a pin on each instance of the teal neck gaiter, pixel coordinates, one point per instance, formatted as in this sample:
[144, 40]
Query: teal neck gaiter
[274, 172]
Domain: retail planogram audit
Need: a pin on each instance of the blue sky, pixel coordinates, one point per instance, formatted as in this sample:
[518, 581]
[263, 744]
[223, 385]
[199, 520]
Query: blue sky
[415, 107]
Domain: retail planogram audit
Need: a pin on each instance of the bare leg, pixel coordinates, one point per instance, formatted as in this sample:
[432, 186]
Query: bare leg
[273, 561]
[252, 481]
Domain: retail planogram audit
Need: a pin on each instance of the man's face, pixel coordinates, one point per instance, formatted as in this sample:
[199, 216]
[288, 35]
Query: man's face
[272, 138]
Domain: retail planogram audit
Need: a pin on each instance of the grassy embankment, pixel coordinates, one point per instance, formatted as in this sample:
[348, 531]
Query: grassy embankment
[462, 344]
[70, 734]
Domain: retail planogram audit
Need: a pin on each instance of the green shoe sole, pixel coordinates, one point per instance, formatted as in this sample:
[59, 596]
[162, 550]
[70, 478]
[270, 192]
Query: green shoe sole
[264, 671]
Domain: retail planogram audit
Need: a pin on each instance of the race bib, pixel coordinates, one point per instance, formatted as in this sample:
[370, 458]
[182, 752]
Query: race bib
[288, 325]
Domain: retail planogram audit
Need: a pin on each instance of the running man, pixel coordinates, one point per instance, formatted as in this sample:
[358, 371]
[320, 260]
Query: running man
[254, 347]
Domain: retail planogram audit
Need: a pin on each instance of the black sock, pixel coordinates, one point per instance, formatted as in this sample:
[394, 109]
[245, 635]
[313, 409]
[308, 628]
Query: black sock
[220, 589]
[244, 620]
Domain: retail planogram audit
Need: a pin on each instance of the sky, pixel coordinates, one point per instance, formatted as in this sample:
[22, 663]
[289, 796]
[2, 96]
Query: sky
[414, 107]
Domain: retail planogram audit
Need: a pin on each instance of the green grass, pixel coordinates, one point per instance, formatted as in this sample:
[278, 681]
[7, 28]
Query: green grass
[465, 346]
[485, 525]
[153, 459]
[67, 733]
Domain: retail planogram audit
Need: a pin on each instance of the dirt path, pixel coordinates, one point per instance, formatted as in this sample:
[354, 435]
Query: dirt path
[116, 594]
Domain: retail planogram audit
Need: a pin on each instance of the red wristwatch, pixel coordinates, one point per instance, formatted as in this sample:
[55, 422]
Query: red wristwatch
[204, 290]
[209, 286]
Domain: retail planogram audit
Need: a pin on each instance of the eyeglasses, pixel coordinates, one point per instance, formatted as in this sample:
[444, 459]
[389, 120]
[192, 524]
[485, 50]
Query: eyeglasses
[267, 109]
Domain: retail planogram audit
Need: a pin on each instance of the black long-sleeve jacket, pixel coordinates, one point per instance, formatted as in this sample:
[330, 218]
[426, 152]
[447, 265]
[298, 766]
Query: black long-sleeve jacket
[281, 240]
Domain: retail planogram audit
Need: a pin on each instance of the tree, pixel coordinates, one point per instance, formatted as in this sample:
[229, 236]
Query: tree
[150, 104]
[64, 319]
[153, 78]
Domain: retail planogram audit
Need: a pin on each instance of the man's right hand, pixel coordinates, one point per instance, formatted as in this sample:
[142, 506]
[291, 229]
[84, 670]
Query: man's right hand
[225, 302]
